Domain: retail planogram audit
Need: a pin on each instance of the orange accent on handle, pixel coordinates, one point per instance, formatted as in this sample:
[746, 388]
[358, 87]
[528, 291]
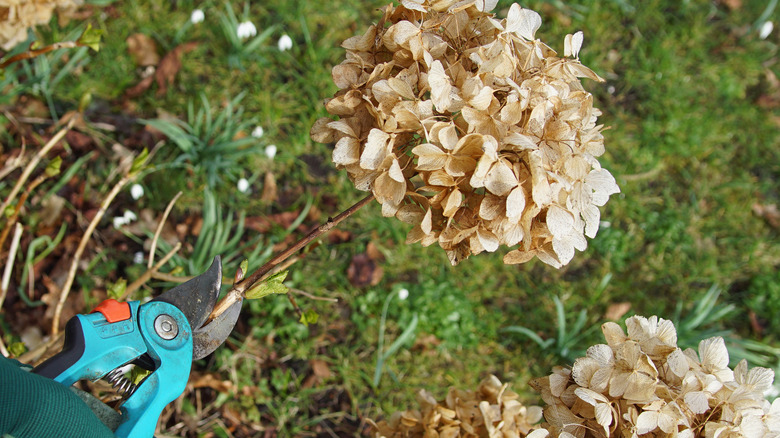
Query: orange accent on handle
[113, 310]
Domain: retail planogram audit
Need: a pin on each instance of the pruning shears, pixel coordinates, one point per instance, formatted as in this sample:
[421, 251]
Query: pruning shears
[162, 336]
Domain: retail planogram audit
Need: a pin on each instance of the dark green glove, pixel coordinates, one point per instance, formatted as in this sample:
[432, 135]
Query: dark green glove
[33, 406]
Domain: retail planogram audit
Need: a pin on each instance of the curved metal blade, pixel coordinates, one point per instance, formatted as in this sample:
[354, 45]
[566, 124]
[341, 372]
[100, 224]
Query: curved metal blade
[207, 338]
[196, 298]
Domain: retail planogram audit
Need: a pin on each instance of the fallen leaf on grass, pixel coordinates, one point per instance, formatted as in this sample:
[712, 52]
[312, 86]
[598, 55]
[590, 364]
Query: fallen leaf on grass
[336, 236]
[139, 88]
[732, 4]
[320, 368]
[263, 224]
[364, 269]
[210, 381]
[166, 72]
[615, 311]
[143, 50]
[269, 188]
[769, 213]
[170, 65]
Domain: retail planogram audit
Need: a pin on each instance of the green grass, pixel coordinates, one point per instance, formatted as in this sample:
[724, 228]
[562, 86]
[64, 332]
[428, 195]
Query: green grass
[688, 143]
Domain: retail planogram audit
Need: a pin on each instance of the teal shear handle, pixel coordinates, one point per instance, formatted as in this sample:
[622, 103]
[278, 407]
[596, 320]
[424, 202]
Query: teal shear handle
[155, 336]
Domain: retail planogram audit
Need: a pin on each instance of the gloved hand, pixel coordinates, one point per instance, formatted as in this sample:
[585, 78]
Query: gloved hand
[33, 406]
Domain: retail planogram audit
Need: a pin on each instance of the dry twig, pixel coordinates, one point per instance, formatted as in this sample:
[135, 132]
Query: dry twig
[34, 162]
[157, 232]
[10, 263]
[83, 244]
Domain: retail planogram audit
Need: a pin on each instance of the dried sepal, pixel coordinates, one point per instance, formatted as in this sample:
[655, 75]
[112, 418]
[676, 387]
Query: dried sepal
[641, 384]
[18, 16]
[492, 410]
[482, 121]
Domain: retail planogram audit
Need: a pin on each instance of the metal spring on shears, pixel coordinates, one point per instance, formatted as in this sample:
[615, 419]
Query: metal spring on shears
[121, 383]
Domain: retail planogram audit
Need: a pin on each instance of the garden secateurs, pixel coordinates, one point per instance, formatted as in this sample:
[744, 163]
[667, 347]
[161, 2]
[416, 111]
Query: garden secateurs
[163, 336]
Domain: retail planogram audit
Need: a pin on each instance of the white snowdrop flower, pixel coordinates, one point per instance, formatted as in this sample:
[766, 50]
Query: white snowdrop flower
[138, 257]
[765, 30]
[285, 43]
[197, 16]
[243, 185]
[118, 221]
[270, 151]
[130, 216]
[258, 132]
[246, 30]
[137, 191]
[403, 294]
[605, 224]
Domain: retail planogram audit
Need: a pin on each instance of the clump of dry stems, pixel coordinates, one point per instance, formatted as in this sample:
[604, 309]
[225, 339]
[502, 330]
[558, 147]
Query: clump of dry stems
[472, 130]
[18, 16]
[638, 384]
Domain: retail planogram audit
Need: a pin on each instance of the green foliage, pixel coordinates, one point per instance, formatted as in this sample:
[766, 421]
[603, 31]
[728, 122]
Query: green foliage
[213, 148]
[221, 234]
[309, 317]
[42, 76]
[91, 38]
[570, 341]
[272, 285]
[764, 300]
[17, 349]
[704, 320]
[33, 257]
[241, 50]
[404, 338]
[117, 289]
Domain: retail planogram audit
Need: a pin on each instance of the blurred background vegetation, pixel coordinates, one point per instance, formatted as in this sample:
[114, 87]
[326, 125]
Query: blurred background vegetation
[692, 102]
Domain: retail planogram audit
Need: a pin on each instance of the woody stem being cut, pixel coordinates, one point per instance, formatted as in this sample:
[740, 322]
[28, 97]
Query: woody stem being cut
[237, 292]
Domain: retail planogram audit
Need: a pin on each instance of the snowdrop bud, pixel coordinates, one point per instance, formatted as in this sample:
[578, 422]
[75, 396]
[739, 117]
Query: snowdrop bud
[246, 30]
[130, 216]
[197, 16]
[138, 257]
[285, 43]
[403, 294]
[270, 151]
[765, 30]
[258, 132]
[243, 185]
[137, 191]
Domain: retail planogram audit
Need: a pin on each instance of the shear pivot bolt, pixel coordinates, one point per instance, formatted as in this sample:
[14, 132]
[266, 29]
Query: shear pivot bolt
[166, 327]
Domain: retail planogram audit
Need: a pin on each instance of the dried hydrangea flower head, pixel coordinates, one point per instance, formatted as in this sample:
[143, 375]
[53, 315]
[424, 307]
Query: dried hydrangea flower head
[17, 16]
[642, 384]
[491, 411]
[472, 130]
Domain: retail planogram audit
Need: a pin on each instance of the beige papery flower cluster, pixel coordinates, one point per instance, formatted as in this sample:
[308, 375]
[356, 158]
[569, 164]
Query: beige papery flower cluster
[492, 411]
[643, 385]
[472, 130]
[16, 16]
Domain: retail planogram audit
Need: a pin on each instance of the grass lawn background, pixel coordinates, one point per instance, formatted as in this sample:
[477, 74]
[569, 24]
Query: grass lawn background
[692, 102]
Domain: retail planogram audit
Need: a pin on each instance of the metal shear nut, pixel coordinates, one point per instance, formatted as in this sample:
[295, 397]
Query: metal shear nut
[165, 326]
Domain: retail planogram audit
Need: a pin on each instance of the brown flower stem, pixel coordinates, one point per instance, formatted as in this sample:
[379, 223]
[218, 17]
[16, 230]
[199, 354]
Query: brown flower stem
[238, 290]
[38, 52]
